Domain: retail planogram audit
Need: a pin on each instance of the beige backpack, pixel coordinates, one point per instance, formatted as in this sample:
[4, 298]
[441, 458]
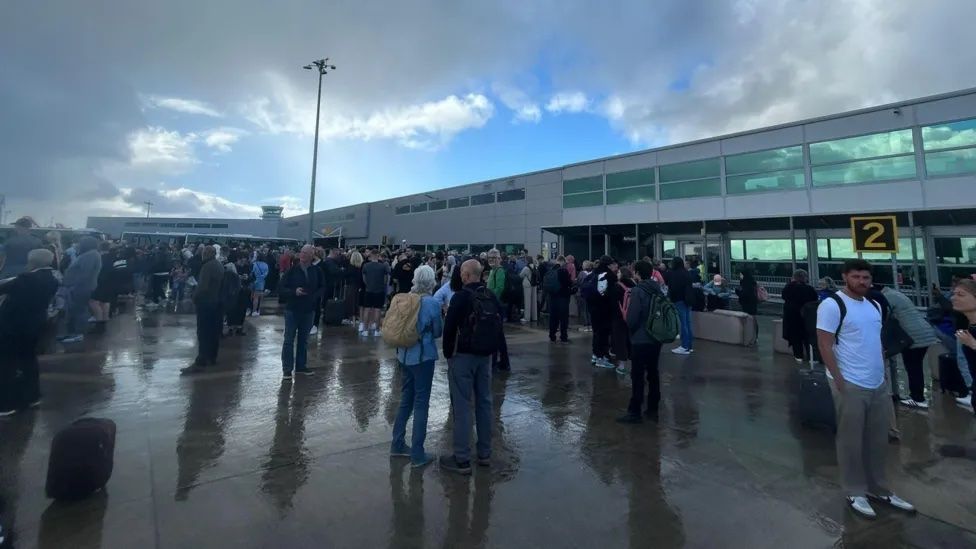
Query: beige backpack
[400, 323]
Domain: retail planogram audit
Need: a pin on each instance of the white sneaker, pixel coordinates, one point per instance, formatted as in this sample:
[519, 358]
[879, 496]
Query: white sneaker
[895, 502]
[314, 331]
[257, 313]
[605, 363]
[914, 404]
[362, 327]
[364, 333]
[594, 359]
[377, 333]
[681, 351]
[965, 402]
[861, 506]
[798, 360]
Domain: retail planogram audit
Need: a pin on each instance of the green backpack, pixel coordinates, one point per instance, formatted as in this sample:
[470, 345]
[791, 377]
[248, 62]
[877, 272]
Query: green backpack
[662, 323]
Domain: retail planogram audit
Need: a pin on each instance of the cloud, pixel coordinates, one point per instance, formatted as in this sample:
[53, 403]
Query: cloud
[162, 150]
[222, 138]
[188, 106]
[184, 202]
[568, 101]
[519, 102]
[427, 126]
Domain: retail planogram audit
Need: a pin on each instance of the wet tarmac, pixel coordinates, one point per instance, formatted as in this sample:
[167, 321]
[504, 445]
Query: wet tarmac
[237, 458]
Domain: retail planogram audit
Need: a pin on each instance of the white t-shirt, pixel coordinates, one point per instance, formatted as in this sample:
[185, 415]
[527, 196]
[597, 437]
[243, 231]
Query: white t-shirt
[858, 347]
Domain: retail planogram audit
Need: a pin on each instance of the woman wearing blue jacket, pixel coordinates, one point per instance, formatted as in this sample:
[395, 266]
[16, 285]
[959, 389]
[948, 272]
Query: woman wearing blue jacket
[417, 362]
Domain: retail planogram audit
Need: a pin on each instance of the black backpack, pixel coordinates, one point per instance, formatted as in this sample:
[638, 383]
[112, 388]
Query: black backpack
[483, 327]
[513, 288]
[534, 279]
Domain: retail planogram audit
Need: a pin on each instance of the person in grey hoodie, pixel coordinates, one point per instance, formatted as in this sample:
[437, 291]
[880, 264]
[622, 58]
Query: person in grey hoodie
[923, 337]
[79, 282]
[645, 352]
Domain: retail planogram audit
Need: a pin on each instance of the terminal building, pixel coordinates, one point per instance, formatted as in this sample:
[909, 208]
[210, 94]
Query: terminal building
[770, 200]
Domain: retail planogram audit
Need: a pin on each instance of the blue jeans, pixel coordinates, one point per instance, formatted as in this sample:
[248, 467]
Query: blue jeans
[684, 318]
[963, 365]
[296, 324]
[415, 398]
[470, 374]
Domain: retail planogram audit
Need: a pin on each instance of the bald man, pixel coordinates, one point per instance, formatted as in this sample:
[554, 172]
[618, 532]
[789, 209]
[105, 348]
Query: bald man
[301, 287]
[472, 334]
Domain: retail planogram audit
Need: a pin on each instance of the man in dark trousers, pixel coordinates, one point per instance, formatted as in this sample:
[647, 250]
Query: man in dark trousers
[469, 371]
[23, 316]
[645, 352]
[559, 302]
[301, 287]
[206, 300]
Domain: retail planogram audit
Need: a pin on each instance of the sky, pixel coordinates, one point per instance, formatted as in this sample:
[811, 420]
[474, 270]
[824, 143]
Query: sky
[203, 108]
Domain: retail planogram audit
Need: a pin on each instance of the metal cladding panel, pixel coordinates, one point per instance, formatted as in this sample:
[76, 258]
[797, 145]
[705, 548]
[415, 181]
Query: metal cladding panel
[583, 216]
[635, 162]
[795, 202]
[552, 204]
[686, 153]
[552, 190]
[692, 209]
[859, 124]
[949, 192]
[583, 170]
[945, 110]
[874, 197]
[631, 213]
[772, 139]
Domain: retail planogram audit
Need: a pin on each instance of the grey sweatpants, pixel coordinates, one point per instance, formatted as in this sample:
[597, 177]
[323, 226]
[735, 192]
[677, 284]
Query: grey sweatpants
[863, 420]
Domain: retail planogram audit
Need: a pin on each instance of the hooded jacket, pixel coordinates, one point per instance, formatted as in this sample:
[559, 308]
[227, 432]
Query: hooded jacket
[638, 311]
[82, 275]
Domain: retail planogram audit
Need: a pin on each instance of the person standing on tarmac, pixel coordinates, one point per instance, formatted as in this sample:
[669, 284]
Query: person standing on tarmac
[645, 352]
[849, 337]
[601, 302]
[210, 318]
[302, 288]
[680, 291]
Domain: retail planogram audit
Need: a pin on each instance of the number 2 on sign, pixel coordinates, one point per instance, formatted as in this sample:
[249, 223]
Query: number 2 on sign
[872, 240]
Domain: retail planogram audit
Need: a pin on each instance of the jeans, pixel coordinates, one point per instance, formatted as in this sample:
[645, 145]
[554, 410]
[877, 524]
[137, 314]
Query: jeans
[470, 378]
[210, 322]
[643, 361]
[863, 420]
[684, 318]
[914, 364]
[414, 398]
[582, 311]
[963, 365]
[297, 325]
[602, 328]
[558, 317]
[76, 313]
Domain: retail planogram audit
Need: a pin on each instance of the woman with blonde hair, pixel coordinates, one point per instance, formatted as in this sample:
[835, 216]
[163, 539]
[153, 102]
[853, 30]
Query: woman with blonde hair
[354, 288]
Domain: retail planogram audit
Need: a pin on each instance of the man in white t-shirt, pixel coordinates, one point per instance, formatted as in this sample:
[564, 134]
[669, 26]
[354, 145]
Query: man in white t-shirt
[849, 338]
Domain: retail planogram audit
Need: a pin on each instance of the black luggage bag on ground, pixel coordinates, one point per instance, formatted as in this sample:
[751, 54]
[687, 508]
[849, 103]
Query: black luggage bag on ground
[950, 378]
[82, 457]
[815, 402]
[335, 308]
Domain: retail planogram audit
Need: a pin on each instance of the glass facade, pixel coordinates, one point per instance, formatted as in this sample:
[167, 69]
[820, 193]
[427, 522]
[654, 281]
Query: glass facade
[462, 202]
[867, 158]
[776, 169]
[438, 205]
[582, 200]
[956, 143]
[632, 195]
[417, 208]
[400, 210]
[481, 199]
[691, 189]
[583, 192]
[690, 179]
[631, 187]
[511, 195]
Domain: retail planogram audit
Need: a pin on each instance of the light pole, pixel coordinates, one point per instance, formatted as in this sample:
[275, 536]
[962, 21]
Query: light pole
[324, 68]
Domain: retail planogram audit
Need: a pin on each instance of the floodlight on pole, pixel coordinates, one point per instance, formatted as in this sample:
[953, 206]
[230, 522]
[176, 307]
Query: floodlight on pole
[323, 67]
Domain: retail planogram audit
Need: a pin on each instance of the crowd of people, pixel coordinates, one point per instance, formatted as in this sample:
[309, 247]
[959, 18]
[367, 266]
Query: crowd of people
[413, 299]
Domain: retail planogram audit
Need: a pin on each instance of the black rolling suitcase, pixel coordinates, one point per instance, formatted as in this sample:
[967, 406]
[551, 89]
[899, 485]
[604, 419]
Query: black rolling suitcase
[335, 309]
[82, 457]
[950, 378]
[815, 402]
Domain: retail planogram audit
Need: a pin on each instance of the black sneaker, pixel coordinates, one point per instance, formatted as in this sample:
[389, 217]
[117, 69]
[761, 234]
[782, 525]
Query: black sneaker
[630, 419]
[286, 376]
[651, 415]
[191, 369]
[449, 463]
[484, 461]
[565, 341]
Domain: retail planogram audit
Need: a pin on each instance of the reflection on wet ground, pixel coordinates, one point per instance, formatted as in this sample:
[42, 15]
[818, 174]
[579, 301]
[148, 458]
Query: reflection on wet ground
[236, 458]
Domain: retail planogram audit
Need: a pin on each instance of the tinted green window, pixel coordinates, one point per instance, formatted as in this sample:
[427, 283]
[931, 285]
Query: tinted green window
[458, 202]
[479, 199]
[902, 167]
[691, 189]
[737, 249]
[842, 248]
[765, 161]
[438, 205]
[949, 135]
[771, 181]
[633, 178]
[631, 195]
[586, 184]
[950, 162]
[582, 200]
[689, 170]
[416, 208]
[510, 195]
[774, 250]
[865, 146]
[402, 210]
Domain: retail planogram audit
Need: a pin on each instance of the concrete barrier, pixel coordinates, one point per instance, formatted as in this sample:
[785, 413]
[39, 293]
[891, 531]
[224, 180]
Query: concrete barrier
[780, 345]
[732, 327]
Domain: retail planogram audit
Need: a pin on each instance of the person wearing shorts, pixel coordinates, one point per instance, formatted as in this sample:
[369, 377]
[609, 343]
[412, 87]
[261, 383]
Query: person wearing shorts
[376, 276]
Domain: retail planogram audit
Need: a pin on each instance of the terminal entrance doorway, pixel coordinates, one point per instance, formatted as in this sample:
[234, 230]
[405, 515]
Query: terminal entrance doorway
[691, 250]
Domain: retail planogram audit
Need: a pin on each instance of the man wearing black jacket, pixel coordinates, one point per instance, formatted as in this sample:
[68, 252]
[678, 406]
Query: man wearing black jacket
[469, 374]
[559, 303]
[680, 289]
[301, 287]
[210, 316]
